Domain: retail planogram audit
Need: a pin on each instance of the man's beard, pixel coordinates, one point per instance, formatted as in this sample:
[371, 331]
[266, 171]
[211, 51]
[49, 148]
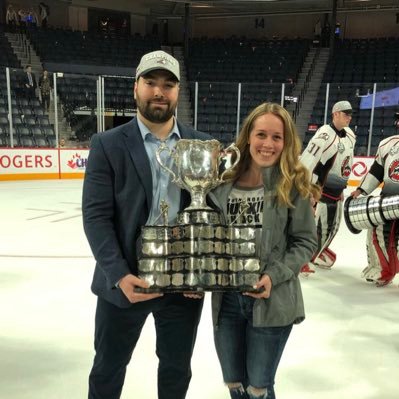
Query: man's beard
[155, 115]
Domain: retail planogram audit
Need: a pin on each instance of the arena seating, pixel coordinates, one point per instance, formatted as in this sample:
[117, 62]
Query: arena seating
[66, 46]
[27, 114]
[76, 93]
[245, 60]
[80, 92]
[260, 65]
[31, 126]
[7, 56]
[364, 60]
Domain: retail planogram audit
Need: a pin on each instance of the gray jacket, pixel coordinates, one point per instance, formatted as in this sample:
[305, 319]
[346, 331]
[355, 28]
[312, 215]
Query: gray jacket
[288, 241]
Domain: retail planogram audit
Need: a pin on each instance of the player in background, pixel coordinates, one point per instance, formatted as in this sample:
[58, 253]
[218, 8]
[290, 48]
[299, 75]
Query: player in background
[382, 241]
[329, 157]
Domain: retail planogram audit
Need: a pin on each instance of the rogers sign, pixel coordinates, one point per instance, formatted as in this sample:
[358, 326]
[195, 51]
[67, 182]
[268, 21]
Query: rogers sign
[26, 161]
[46, 163]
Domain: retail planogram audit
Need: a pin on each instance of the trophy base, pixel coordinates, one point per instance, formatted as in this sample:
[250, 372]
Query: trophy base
[199, 216]
[199, 274]
[182, 290]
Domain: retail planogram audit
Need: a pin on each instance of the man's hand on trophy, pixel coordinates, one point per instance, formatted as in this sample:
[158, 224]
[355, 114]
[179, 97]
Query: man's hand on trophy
[128, 284]
[264, 286]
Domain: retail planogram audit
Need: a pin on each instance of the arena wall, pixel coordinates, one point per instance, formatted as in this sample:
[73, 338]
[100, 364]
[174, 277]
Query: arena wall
[365, 24]
[353, 25]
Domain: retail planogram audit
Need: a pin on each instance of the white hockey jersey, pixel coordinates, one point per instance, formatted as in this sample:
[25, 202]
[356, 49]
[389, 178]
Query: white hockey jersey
[384, 169]
[329, 157]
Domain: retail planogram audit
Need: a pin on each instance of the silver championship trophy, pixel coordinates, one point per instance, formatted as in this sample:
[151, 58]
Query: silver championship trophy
[368, 212]
[199, 252]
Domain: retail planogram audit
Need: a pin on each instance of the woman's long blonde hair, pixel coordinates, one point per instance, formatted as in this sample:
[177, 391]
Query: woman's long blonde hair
[292, 172]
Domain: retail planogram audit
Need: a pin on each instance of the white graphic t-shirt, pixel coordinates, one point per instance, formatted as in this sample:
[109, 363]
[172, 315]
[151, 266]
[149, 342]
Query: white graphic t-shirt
[254, 198]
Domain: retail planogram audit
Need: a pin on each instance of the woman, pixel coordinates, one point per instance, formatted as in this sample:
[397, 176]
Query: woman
[11, 18]
[45, 90]
[252, 328]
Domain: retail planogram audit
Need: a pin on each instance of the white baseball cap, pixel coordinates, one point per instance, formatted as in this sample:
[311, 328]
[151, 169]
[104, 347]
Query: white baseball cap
[158, 60]
[344, 106]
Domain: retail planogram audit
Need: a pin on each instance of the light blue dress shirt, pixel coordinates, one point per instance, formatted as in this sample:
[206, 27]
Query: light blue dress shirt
[162, 186]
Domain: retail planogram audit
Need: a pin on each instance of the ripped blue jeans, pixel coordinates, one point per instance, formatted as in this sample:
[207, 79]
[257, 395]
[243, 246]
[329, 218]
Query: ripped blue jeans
[248, 355]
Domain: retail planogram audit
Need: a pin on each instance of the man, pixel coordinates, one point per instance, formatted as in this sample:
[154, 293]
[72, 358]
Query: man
[329, 157]
[29, 83]
[123, 188]
[382, 241]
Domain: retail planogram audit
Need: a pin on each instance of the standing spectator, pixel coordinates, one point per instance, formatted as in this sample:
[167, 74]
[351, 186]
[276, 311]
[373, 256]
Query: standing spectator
[44, 11]
[325, 34]
[23, 15]
[11, 18]
[29, 83]
[124, 29]
[251, 329]
[32, 19]
[123, 188]
[329, 158]
[317, 33]
[45, 90]
[382, 241]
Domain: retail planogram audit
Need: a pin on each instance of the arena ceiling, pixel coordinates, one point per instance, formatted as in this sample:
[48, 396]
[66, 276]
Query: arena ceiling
[224, 8]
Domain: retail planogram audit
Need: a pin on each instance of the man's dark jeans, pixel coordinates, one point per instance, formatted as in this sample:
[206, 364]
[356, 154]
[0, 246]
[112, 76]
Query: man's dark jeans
[118, 330]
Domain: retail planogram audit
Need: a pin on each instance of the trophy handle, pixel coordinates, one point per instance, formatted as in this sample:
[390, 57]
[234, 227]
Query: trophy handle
[231, 147]
[164, 147]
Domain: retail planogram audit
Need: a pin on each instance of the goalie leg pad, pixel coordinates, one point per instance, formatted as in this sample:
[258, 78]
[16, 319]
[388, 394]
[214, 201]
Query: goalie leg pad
[325, 259]
[382, 254]
[328, 219]
[307, 269]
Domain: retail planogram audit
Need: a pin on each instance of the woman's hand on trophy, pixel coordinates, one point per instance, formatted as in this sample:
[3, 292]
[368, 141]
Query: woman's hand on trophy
[264, 285]
[128, 285]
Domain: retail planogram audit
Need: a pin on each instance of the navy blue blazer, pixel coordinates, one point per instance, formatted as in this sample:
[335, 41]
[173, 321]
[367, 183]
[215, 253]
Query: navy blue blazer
[25, 80]
[117, 198]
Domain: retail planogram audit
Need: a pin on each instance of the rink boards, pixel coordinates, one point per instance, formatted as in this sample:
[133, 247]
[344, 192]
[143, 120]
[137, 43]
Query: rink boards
[42, 163]
[70, 163]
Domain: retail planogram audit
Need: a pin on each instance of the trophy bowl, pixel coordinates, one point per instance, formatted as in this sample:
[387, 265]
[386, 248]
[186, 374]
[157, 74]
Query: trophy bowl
[197, 165]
